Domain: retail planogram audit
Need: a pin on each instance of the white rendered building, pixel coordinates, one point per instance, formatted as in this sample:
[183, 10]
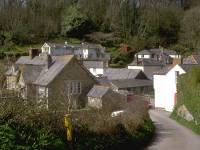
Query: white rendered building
[165, 86]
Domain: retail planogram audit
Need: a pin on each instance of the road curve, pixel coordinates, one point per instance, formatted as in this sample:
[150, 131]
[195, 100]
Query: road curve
[170, 135]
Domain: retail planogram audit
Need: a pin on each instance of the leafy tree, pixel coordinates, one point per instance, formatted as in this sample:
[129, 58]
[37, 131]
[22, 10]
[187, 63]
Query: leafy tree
[190, 35]
[75, 23]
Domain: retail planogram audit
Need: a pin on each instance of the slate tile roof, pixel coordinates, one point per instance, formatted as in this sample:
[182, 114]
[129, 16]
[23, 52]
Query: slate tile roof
[25, 60]
[46, 76]
[98, 91]
[164, 70]
[146, 62]
[157, 52]
[193, 59]
[123, 84]
[36, 72]
[117, 74]
[93, 64]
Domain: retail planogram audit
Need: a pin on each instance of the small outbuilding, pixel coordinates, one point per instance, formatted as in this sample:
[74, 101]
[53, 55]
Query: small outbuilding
[102, 97]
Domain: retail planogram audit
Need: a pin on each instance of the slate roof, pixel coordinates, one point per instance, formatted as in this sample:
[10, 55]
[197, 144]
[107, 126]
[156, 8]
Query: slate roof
[93, 64]
[47, 75]
[193, 59]
[117, 74]
[103, 81]
[31, 72]
[124, 84]
[36, 72]
[146, 62]
[144, 52]
[185, 67]
[165, 51]
[157, 52]
[164, 70]
[98, 91]
[25, 60]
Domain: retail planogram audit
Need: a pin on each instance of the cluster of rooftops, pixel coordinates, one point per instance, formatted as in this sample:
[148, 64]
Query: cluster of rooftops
[43, 67]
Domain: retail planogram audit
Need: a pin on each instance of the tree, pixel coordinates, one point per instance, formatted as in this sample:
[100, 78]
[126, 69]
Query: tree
[75, 23]
[190, 35]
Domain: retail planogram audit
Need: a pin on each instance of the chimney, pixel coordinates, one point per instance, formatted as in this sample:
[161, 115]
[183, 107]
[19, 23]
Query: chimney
[49, 61]
[33, 52]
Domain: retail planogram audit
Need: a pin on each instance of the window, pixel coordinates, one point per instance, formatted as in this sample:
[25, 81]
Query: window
[74, 87]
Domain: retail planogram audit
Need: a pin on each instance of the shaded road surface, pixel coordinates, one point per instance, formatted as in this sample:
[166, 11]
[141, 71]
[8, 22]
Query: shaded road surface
[170, 135]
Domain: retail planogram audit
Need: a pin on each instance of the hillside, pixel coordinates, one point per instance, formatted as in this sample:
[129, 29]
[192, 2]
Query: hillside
[188, 95]
[171, 24]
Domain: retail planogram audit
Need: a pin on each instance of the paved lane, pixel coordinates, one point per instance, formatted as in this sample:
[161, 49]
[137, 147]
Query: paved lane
[170, 135]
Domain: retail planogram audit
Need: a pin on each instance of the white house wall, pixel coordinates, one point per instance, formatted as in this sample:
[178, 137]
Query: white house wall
[136, 67]
[96, 71]
[46, 48]
[144, 56]
[165, 89]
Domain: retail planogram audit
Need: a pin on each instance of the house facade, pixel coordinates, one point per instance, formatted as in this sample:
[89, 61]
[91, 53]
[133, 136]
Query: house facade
[53, 82]
[165, 86]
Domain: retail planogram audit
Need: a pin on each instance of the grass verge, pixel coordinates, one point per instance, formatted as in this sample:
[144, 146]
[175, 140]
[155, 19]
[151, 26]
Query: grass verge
[191, 125]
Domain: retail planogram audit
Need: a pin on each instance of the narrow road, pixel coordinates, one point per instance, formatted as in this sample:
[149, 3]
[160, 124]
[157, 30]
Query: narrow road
[170, 135]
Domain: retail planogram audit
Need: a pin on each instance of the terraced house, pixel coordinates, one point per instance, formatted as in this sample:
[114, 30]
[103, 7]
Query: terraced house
[53, 81]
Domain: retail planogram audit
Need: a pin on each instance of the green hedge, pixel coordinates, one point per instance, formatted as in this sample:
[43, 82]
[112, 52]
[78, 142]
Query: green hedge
[122, 138]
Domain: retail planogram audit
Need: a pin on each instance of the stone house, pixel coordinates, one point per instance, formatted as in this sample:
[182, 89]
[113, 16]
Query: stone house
[103, 97]
[53, 81]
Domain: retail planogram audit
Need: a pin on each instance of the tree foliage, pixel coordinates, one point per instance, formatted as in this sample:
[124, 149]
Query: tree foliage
[149, 22]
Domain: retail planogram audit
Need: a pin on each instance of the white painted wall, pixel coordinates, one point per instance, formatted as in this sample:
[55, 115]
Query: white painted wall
[96, 71]
[175, 56]
[85, 53]
[144, 56]
[165, 88]
[136, 67]
[46, 49]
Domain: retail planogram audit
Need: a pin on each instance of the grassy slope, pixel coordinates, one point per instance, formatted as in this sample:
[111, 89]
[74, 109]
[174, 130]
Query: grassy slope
[188, 94]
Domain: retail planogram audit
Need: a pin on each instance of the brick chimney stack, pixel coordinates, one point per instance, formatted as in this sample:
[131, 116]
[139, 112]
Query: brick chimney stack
[33, 52]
